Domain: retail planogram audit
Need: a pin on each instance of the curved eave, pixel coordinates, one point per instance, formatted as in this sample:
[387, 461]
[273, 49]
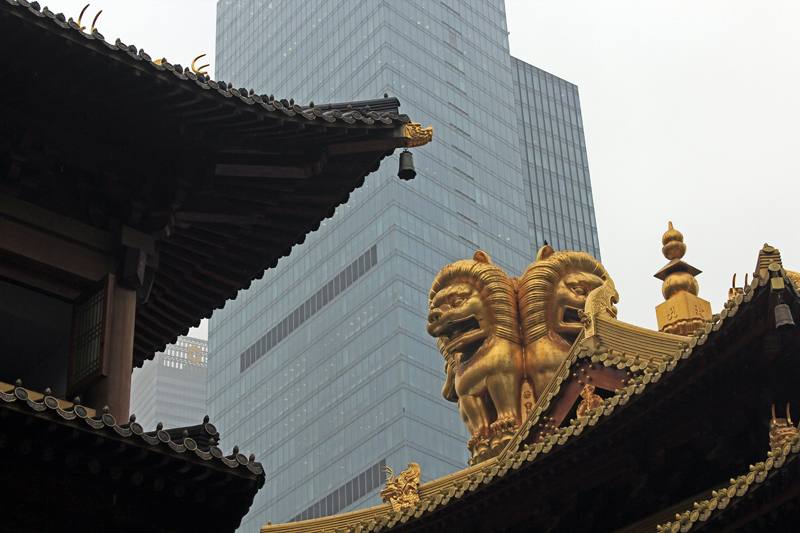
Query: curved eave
[665, 371]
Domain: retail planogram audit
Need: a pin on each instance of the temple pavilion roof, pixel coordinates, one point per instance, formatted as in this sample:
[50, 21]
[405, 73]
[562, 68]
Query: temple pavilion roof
[679, 438]
[58, 455]
[222, 180]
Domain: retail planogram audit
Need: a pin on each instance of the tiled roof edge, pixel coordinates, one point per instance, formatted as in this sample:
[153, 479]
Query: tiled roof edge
[739, 487]
[367, 112]
[517, 454]
[44, 403]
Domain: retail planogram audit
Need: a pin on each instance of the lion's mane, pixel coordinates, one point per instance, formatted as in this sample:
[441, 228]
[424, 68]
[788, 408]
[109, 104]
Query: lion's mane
[536, 287]
[495, 286]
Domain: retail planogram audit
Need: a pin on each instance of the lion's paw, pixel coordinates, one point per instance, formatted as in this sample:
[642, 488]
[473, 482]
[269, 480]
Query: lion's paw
[483, 452]
[504, 425]
[476, 439]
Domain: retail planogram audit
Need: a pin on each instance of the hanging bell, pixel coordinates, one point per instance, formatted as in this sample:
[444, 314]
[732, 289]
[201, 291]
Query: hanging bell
[783, 316]
[406, 171]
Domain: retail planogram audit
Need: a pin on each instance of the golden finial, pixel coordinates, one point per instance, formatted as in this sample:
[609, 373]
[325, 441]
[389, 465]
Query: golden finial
[683, 312]
[673, 244]
[199, 70]
[680, 276]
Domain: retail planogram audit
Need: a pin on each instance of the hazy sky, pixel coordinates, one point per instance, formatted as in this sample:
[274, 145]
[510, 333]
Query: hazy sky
[690, 112]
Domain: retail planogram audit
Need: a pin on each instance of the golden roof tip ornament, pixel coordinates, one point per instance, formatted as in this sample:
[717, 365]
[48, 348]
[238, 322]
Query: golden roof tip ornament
[403, 490]
[415, 135]
[81, 28]
[781, 430]
[683, 312]
[199, 70]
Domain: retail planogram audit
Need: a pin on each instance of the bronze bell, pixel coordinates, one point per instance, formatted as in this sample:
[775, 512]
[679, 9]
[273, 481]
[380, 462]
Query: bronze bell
[406, 171]
[783, 316]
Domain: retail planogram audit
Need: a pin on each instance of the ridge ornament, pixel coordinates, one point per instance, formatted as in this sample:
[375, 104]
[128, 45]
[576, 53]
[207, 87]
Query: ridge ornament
[403, 490]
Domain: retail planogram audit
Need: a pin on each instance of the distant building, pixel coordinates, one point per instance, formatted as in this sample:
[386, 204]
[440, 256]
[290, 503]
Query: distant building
[323, 368]
[172, 387]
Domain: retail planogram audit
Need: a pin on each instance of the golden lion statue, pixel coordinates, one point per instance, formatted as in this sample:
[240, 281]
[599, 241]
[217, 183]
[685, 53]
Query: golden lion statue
[501, 335]
[552, 293]
[473, 314]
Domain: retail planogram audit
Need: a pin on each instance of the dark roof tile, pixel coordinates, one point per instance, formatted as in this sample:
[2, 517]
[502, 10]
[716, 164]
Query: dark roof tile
[201, 438]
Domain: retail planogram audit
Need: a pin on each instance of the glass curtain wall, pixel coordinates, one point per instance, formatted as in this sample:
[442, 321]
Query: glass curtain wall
[356, 382]
[553, 151]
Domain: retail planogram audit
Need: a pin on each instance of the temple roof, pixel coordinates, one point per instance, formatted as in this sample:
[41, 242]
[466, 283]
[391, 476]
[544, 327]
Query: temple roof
[678, 413]
[180, 469]
[224, 180]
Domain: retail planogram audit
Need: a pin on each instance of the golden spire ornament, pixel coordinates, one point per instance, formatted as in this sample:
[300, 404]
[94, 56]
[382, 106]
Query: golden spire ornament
[683, 312]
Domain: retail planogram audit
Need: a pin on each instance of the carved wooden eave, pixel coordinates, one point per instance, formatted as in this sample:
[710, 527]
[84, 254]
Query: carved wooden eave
[60, 457]
[682, 419]
[219, 182]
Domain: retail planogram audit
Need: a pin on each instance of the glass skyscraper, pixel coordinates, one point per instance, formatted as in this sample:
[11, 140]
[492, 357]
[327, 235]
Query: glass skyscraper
[554, 166]
[346, 380]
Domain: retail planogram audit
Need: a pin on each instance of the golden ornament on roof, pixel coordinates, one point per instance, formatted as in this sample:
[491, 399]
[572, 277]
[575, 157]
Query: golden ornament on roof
[503, 339]
[683, 312]
[673, 244]
[590, 401]
[403, 490]
[199, 70]
[781, 429]
[677, 282]
[81, 28]
[415, 135]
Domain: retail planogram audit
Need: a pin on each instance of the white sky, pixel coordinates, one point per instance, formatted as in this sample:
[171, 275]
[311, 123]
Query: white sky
[690, 110]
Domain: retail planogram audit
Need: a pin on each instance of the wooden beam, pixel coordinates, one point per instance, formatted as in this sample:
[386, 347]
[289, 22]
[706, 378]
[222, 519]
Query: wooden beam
[248, 247]
[222, 279]
[251, 196]
[193, 310]
[71, 146]
[377, 145]
[167, 248]
[217, 229]
[159, 307]
[231, 266]
[54, 251]
[251, 182]
[142, 337]
[203, 236]
[154, 309]
[168, 321]
[41, 282]
[261, 171]
[52, 222]
[197, 247]
[209, 285]
[155, 328]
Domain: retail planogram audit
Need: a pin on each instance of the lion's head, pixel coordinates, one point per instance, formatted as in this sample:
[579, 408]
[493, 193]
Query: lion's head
[470, 300]
[553, 290]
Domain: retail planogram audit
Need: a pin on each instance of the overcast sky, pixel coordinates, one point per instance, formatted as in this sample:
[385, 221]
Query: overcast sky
[690, 111]
[691, 114]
